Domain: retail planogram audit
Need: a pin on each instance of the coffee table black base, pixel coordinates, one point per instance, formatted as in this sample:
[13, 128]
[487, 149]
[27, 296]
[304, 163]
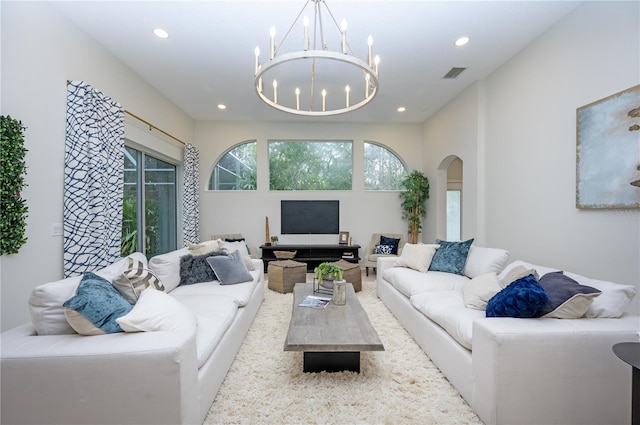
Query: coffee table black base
[331, 361]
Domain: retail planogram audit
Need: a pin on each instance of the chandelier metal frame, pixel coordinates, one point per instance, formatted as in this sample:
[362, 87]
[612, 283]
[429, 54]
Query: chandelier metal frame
[369, 69]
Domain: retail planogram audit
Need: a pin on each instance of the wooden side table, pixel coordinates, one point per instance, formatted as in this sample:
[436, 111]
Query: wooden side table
[629, 352]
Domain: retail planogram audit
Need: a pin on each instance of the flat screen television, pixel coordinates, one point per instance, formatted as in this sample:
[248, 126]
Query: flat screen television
[309, 217]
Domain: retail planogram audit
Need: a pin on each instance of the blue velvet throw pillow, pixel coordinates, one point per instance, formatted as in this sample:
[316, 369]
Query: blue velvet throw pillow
[393, 242]
[451, 256]
[522, 298]
[99, 304]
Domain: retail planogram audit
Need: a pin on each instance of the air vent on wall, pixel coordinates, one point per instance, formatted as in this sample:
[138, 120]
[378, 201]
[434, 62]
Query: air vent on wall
[454, 72]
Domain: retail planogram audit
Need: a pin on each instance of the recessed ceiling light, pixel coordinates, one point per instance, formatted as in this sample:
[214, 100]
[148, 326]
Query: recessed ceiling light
[402, 109]
[221, 106]
[160, 33]
[462, 41]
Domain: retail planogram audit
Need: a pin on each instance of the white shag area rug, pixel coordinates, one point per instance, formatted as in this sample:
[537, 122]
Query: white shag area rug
[400, 385]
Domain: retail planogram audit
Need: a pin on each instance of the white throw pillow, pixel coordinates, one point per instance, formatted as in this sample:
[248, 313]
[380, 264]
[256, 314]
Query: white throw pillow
[484, 260]
[167, 268]
[204, 247]
[416, 256]
[157, 311]
[517, 272]
[479, 290]
[241, 247]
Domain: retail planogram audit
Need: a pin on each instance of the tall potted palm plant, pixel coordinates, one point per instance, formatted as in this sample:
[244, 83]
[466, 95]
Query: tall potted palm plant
[414, 195]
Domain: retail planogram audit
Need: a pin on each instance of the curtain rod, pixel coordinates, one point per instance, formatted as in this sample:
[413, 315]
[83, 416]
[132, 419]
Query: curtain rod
[153, 127]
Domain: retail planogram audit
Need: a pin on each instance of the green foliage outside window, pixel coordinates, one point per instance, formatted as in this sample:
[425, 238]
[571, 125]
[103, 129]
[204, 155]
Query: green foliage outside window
[236, 169]
[383, 170]
[305, 165]
[13, 168]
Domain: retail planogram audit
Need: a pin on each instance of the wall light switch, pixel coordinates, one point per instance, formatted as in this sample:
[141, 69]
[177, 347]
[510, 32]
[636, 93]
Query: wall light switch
[56, 229]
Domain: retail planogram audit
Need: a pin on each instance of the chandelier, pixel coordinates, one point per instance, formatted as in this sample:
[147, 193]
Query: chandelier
[316, 81]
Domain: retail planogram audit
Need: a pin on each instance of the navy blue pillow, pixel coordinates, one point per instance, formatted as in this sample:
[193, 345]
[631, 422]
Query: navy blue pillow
[561, 288]
[523, 298]
[451, 256]
[393, 242]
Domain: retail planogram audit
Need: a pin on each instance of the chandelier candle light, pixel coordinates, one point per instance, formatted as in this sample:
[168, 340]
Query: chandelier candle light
[300, 72]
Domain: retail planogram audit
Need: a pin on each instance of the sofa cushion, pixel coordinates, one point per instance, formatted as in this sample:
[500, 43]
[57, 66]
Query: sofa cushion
[229, 269]
[167, 267]
[410, 282]
[241, 292]
[613, 300]
[479, 290]
[157, 311]
[567, 298]
[451, 256]
[523, 298]
[94, 308]
[446, 308]
[485, 260]
[45, 301]
[416, 256]
[214, 314]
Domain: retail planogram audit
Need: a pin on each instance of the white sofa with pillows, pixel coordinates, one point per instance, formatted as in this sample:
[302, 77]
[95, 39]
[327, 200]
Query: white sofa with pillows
[515, 366]
[119, 346]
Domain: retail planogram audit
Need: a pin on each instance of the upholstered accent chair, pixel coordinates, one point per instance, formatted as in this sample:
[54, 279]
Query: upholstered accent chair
[253, 251]
[370, 255]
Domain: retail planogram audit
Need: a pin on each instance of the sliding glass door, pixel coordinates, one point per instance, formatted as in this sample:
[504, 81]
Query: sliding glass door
[149, 222]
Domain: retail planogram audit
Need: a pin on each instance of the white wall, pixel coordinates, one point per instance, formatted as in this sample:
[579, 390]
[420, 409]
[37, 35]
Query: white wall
[526, 199]
[41, 50]
[361, 212]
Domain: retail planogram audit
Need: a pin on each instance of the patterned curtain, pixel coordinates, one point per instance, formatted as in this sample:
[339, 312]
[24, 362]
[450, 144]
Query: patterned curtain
[93, 179]
[190, 207]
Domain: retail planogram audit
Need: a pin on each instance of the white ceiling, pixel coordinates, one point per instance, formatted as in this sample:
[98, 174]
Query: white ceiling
[209, 57]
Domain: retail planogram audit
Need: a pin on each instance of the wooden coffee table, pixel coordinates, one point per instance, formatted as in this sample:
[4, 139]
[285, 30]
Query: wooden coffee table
[331, 338]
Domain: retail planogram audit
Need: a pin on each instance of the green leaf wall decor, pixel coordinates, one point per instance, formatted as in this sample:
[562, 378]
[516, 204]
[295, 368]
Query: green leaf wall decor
[12, 170]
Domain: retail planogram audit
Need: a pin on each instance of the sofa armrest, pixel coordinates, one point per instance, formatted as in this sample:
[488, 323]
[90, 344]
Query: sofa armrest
[532, 371]
[147, 377]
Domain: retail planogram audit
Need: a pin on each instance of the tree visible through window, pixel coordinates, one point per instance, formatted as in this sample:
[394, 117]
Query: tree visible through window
[149, 210]
[383, 170]
[310, 165]
[236, 170]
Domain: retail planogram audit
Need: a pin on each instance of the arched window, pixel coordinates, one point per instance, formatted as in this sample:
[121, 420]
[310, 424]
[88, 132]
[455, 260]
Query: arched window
[236, 169]
[383, 169]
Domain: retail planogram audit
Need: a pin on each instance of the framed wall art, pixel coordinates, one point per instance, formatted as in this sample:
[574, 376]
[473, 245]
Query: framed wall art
[608, 152]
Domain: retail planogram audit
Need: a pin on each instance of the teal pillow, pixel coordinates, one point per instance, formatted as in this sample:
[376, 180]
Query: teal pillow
[94, 308]
[451, 256]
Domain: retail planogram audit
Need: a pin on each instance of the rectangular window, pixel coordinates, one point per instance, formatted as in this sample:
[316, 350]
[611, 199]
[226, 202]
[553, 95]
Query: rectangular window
[454, 216]
[310, 165]
[149, 222]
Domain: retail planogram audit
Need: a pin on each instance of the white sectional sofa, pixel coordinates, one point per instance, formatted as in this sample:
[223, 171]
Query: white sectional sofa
[52, 375]
[513, 370]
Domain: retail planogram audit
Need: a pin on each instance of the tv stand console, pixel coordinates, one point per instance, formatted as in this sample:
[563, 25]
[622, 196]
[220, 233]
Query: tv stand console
[312, 254]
